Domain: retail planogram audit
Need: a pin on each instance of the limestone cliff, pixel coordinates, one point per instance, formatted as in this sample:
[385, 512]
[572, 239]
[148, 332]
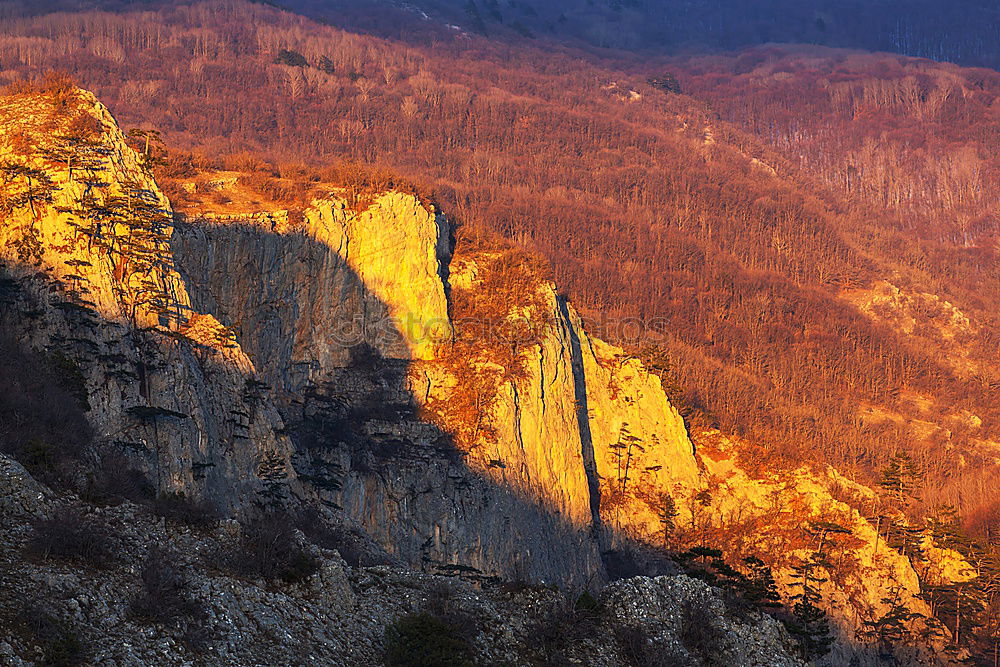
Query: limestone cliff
[305, 295]
[454, 407]
[510, 441]
[346, 314]
[584, 427]
[84, 247]
[528, 456]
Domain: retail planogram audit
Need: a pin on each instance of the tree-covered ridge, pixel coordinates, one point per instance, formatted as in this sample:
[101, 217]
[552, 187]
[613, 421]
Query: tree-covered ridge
[965, 32]
[126, 226]
[738, 243]
[733, 258]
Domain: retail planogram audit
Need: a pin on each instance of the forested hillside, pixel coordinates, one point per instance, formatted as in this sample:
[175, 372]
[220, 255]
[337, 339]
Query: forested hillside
[733, 257]
[965, 31]
[802, 240]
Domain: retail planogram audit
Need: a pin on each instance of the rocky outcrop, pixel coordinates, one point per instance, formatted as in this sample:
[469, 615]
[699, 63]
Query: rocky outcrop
[583, 412]
[789, 517]
[677, 610]
[304, 297]
[89, 275]
[318, 354]
[544, 473]
[339, 614]
[586, 430]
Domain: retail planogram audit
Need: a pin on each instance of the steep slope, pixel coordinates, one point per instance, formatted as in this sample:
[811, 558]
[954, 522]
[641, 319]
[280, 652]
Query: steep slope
[735, 258]
[358, 342]
[89, 275]
[64, 609]
[517, 444]
[343, 295]
[455, 407]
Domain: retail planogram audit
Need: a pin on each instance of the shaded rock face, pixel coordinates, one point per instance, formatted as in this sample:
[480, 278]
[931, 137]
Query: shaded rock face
[308, 298]
[185, 409]
[344, 369]
[583, 447]
[338, 614]
[305, 358]
[343, 313]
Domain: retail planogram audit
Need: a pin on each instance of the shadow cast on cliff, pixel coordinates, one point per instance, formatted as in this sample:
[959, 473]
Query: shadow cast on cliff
[164, 409]
[361, 447]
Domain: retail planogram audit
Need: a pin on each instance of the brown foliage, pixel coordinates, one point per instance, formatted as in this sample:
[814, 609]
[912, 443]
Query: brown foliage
[731, 248]
[71, 535]
[53, 84]
[498, 320]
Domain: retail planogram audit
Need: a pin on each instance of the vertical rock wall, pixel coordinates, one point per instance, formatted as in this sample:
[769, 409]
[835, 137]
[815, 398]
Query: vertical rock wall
[310, 300]
[169, 393]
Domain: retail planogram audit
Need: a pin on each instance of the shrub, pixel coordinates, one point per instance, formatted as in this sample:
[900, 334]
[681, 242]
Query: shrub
[552, 636]
[42, 423]
[57, 85]
[114, 480]
[178, 508]
[291, 58]
[197, 635]
[587, 603]
[73, 536]
[269, 550]
[639, 650]
[424, 640]
[443, 605]
[61, 644]
[165, 596]
[698, 633]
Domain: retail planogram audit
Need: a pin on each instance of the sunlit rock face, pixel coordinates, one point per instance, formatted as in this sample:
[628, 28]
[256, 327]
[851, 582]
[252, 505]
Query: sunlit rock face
[559, 465]
[587, 430]
[342, 312]
[307, 295]
[46, 231]
[84, 242]
[346, 314]
[252, 358]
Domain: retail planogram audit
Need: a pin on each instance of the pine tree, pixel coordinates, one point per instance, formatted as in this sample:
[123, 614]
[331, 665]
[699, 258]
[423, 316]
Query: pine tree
[758, 585]
[823, 530]
[151, 150]
[944, 527]
[902, 478]
[141, 251]
[130, 230]
[79, 147]
[23, 186]
[892, 627]
[809, 624]
[631, 444]
[325, 65]
[618, 451]
[666, 512]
